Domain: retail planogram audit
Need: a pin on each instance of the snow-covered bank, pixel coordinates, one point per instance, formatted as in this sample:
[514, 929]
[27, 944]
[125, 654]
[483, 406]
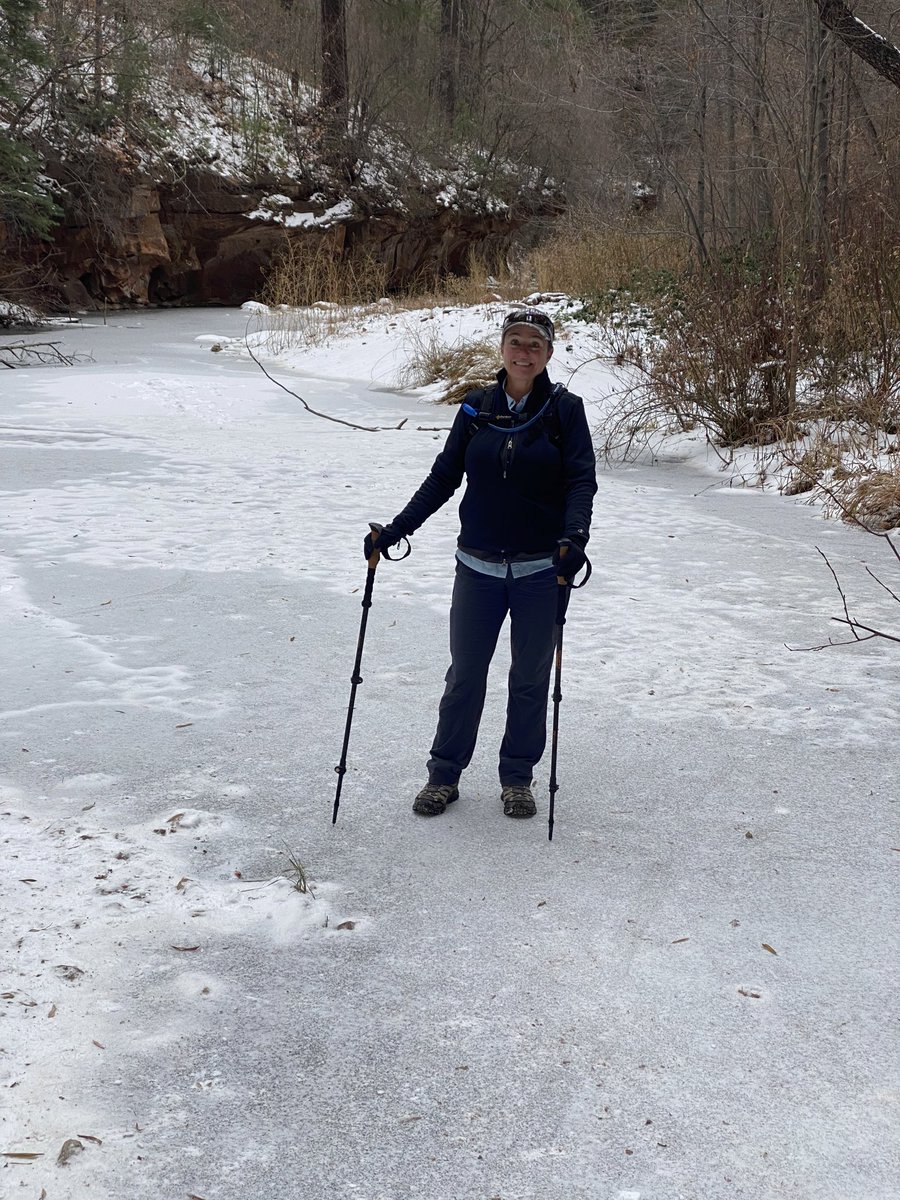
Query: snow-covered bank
[600, 1017]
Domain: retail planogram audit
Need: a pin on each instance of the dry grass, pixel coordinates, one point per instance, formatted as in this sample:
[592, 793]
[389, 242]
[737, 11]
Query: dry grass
[872, 499]
[590, 257]
[315, 292]
[856, 480]
[811, 467]
[483, 283]
[310, 287]
[296, 873]
[461, 365]
[289, 327]
[307, 272]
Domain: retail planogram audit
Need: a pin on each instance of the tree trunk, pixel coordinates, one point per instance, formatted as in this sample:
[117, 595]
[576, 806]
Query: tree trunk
[702, 101]
[452, 37]
[98, 53]
[871, 47]
[761, 212]
[818, 153]
[731, 125]
[334, 62]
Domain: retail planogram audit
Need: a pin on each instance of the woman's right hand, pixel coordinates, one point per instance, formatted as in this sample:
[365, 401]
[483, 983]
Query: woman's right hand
[380, 537]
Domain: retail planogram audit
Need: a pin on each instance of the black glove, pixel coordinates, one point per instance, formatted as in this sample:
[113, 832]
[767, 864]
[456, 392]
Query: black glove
[569, 564]
[380, 537]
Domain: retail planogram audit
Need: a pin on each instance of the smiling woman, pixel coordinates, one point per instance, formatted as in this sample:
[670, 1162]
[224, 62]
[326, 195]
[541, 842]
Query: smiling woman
[526, 347]
[524, 449]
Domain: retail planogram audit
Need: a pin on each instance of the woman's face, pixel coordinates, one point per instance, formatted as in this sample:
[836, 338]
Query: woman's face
[525, 354]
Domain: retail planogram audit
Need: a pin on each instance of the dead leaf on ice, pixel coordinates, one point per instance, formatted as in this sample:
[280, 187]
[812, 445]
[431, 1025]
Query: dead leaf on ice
[186, 949]
[69, 972]
[89, 1137]
[70, 1147]
[347, 925]
[23, 1155]
[679, 940]
[770, 949]
[99, 1045]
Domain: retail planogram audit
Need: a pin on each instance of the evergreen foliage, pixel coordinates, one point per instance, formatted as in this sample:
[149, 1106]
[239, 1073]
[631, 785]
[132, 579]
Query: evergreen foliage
[24, 206]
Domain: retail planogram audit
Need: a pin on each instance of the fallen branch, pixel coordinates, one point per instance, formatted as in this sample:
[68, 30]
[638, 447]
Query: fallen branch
[873, 633]
[848, 619]
[314, 412]
[29, 354]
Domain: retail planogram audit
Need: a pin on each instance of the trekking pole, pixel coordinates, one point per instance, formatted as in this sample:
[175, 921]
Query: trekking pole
[562, 603]
[356, 678]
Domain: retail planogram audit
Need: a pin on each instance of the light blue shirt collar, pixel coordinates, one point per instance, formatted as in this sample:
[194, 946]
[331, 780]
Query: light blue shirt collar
[516, 406]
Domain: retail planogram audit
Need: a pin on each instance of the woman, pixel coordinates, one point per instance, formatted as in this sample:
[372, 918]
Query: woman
[525, 450]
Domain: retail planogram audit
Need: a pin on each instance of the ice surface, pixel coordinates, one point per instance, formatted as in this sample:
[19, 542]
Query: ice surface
[453, 1009]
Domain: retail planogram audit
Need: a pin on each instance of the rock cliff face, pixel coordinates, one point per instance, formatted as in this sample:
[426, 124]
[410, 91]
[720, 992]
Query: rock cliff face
[194, 242]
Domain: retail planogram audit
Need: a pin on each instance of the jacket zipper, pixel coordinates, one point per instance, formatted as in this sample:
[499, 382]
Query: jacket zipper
[508, 457]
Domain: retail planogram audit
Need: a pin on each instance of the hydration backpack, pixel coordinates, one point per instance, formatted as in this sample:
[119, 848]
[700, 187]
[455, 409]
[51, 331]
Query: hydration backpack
[479, 405]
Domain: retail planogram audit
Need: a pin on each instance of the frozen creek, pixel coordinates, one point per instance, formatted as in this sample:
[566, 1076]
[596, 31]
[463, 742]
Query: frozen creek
[689, 995]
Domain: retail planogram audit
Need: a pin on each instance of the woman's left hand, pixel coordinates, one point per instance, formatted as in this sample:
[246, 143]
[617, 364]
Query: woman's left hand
[568, 559]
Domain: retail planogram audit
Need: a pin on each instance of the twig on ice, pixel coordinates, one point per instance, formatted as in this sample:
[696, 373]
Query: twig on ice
[310, 409]
[837, 584]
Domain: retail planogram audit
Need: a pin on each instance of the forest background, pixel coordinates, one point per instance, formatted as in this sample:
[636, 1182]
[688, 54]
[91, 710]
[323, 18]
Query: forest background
[718, 181]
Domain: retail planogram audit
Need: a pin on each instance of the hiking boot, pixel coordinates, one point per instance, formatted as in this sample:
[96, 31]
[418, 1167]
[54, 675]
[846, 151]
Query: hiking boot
[434, 798]
[517, 800]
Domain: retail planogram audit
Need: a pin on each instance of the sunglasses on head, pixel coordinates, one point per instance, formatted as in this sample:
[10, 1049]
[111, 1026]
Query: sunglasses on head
[529, 317]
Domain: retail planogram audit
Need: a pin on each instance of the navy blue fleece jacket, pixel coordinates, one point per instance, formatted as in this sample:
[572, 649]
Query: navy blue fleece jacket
[523, 491]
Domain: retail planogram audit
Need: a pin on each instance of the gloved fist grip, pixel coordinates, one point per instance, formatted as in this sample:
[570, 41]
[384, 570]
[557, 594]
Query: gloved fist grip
[568, 559]
[380, 538]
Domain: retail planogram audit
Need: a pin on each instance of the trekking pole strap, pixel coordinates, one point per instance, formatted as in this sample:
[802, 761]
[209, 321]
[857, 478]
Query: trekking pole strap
[373, 561]
[588, 570]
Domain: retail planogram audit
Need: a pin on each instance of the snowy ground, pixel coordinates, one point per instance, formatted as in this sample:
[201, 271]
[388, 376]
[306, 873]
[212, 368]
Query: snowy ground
[690, 994]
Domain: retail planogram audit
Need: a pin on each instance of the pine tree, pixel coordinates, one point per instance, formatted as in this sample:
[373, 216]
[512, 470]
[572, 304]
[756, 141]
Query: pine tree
[24, 207]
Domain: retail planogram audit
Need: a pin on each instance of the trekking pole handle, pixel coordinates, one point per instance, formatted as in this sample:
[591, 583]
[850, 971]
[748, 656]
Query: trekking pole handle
[375, 557]
[375, 529]
[561, 579]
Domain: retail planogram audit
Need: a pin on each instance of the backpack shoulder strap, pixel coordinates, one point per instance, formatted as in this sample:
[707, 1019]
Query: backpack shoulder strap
[553, 419]
[479, 406]
[479, 402]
